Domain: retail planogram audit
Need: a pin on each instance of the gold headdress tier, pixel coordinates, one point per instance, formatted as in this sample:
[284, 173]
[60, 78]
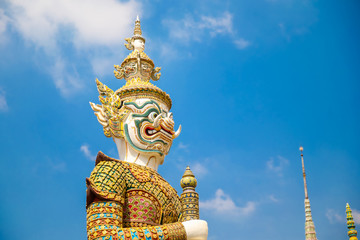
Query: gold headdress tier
[137, 30]
[137, 69]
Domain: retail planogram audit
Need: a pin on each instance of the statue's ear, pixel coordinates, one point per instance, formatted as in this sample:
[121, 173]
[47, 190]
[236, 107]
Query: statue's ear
[105, 93]
[101, 117]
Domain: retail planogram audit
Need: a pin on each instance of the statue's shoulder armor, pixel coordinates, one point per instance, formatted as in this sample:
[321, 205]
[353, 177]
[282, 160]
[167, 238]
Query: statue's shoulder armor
[107, 180]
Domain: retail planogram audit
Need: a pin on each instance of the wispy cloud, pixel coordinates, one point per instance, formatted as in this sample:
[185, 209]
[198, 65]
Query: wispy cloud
[273, 198]
[58, 166]
[217, 25]
[284, 31]
[67, 81]
[199, 169]
[3, 25]
[191, 29]
[242, 43]
[198, 28]
[356, 216]
[52, 26]
[3, 103]
[86, 150]
[334, 216]
[222, 204]
[277, 165]
[183, 146]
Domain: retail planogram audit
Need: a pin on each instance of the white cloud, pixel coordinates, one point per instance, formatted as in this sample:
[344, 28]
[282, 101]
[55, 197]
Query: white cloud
[273, 199]
[199, 170]
[3, 103]
[168, 51]
[242, 43]
[199, 28]
[284, 31]
[278, 166]
[58, 167]
[67, 81]
[85, 149]
[219, 25]
[356, 216]
[223, 204]
[104, 65]
[52, 26]
[334, 216]
[3, 21]
[190, 29]
[90, 22]
[183, 146]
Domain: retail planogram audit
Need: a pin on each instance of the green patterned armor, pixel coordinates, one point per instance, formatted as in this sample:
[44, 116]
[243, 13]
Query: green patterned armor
[127, 201]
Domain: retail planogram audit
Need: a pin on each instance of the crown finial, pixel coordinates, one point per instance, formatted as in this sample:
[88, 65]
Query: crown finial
[137, 29]
[137, 41]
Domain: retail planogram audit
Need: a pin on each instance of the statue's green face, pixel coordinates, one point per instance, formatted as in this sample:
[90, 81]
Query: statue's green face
[149, 128]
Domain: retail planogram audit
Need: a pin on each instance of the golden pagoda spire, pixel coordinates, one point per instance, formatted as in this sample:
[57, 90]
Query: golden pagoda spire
[310, 233]
[352, 233]
[189, 198]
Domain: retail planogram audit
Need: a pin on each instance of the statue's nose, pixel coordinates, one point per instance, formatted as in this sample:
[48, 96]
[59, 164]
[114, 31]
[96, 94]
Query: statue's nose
[169, 122]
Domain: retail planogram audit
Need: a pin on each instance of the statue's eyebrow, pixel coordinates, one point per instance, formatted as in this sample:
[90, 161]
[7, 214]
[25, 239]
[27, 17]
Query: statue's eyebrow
[144, 104]
[147, 113]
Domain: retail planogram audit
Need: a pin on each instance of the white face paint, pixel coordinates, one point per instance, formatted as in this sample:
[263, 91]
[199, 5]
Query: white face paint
[139, 45]
[148, 133]
[145, 134]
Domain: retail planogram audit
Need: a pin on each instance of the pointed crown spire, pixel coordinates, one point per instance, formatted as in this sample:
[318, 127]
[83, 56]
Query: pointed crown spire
[137, 30]
[310, 233]
[352, 233]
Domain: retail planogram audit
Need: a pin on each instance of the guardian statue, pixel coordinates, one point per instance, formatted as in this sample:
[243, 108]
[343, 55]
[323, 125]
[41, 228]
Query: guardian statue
[126, 198]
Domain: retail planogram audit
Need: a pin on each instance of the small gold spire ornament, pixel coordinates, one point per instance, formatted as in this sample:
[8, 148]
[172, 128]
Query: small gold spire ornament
[352, 233]
[189, 198]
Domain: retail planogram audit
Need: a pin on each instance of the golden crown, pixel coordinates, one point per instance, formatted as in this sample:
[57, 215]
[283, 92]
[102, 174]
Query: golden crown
[137, 69]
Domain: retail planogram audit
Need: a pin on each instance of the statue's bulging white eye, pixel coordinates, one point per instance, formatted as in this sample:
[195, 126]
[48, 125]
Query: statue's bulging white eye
[152, 116]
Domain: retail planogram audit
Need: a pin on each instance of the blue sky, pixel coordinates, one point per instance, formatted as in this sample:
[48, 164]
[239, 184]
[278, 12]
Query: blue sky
[250, 81]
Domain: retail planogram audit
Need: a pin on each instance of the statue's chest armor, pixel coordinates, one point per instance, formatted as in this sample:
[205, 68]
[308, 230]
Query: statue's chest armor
[149, 199]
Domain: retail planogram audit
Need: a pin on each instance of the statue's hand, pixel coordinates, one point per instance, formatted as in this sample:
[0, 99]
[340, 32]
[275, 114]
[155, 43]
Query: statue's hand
[196, 229]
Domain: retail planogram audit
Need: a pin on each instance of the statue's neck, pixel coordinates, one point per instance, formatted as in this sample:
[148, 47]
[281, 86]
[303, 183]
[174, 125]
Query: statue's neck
[128, 154]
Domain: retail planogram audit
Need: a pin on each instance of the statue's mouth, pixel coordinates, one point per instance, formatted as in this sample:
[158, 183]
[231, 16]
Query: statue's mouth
[152, 131]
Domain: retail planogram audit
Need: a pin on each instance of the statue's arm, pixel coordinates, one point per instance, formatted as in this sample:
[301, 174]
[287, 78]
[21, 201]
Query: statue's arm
[105, 211]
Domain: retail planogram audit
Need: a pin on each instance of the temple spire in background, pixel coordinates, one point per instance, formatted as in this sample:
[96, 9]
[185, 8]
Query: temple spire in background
[352, 233]
[310, 233]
